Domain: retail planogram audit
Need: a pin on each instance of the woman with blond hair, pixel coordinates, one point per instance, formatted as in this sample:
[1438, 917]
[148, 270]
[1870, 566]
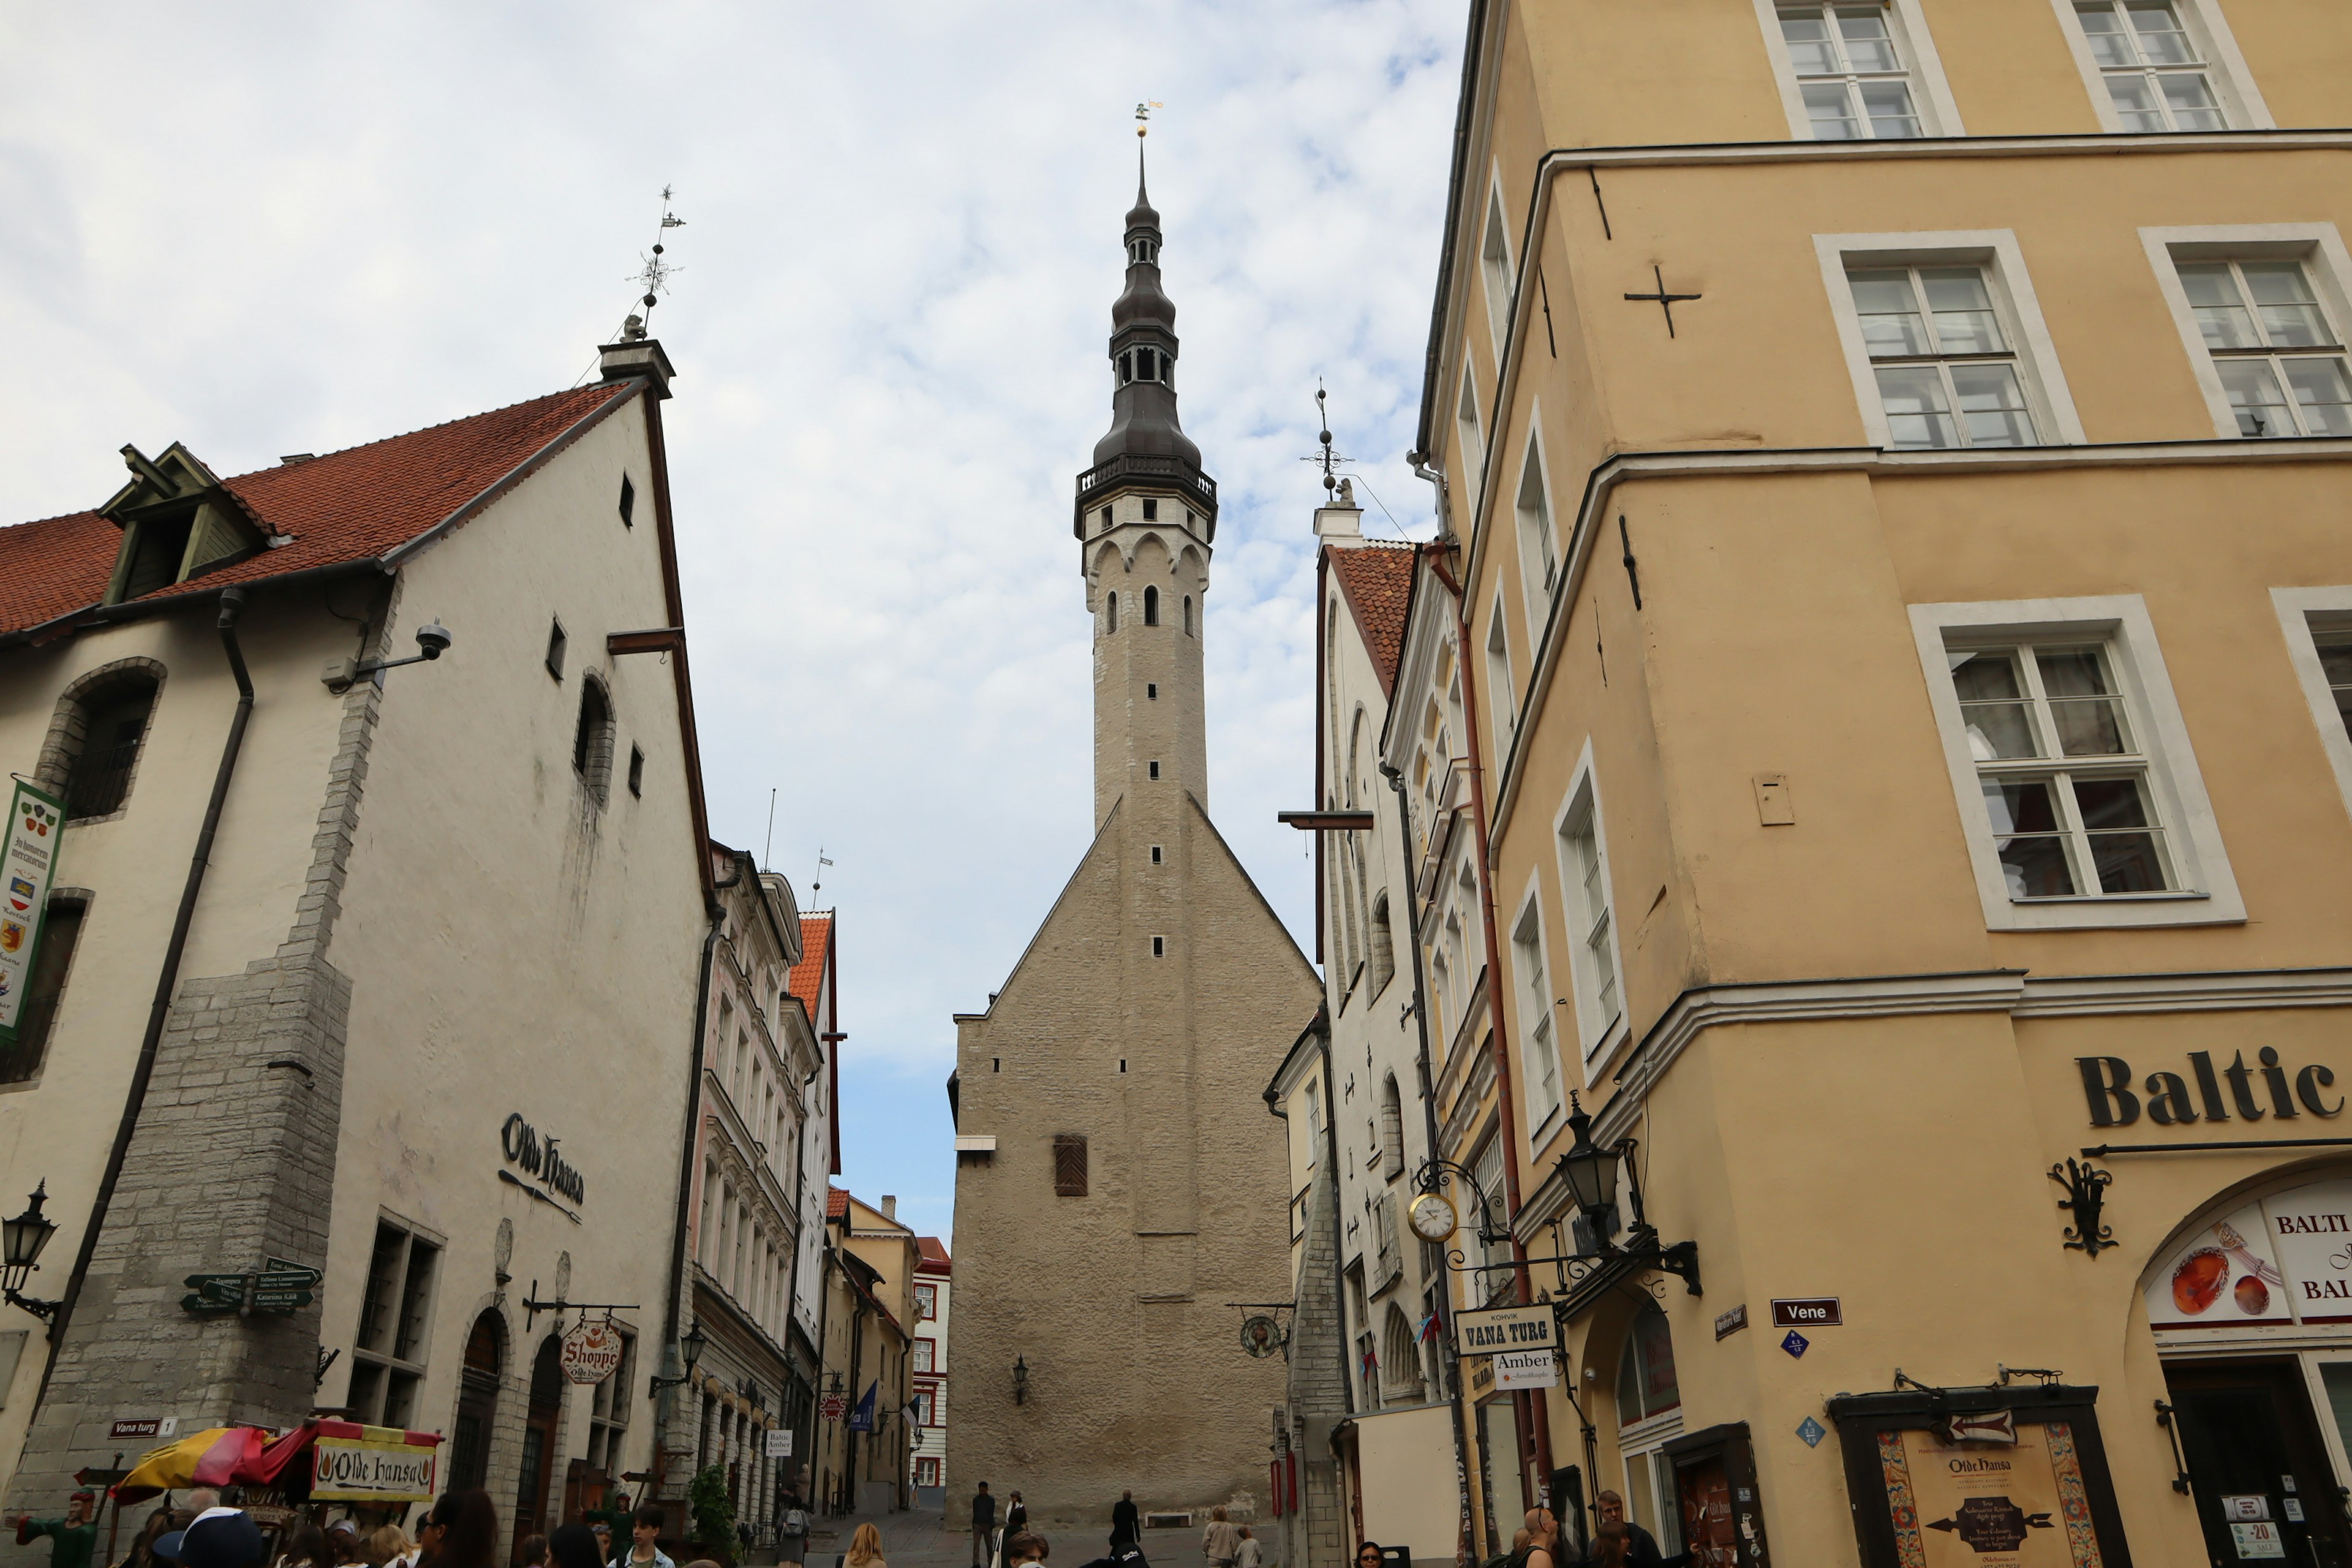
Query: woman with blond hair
[865, 1549]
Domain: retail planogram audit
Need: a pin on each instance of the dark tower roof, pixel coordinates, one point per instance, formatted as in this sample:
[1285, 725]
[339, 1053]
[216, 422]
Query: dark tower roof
[1145, 444]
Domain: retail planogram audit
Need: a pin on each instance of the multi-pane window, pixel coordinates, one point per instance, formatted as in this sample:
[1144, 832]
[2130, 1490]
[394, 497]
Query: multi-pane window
[1495, 266]
[2335, 662]
[1488, 1169]
[1538, 548]
[2064, 770]
[52, 962]
[1948, 374]
[2280, 360]
[927, 1304]
[2153, 72]
[608, 1410]
[925, 1354]
[1587, 904]
[395, 1312]
[1850, 71]
[1542, 1049]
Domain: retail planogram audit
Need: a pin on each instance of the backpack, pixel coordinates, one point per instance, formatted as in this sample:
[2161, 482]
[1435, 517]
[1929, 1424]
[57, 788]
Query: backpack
[796, 1521]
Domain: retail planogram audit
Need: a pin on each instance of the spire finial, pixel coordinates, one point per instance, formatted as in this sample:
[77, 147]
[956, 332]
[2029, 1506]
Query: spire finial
[1142, 129]
[654, 277]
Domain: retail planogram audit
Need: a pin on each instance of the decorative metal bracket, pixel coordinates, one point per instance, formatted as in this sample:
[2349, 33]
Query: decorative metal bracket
[44, 1310]
[2164, 1414]
[533, 1307]
[1584, 1277]
[2086, 1186]
[326, 1359]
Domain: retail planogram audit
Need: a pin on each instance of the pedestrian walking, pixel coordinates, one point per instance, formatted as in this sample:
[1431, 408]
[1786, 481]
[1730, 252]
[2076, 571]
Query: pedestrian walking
[142, 1546]
[1125, 1529]
[573, 1546]
[217, 1538]
[343, 1544]
[388, 1546]
[1025, 1548]
[1543, 1539]
[645, 1535]
[73, 1537]
[1251, 1553]
[305, 1547]
[460, 1531]
[791, 1530]
[1612, 1546]
[865, 1547]
[1221, 1544]
[1016, 1517]
[1642, 1549]
[532, 1553]
[1368, 1555]
[984, 1528]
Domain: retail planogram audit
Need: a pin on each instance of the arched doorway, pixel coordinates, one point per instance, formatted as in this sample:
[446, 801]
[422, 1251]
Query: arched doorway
[539, 1440]
[1649, 1416]
[2252, 1309]
[477, 1402]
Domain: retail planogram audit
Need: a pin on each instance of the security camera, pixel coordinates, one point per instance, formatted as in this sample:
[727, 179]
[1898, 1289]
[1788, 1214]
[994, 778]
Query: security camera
[433, 639]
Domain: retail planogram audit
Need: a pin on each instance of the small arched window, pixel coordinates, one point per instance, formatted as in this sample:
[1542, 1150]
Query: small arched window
[1384, 954]
[1151, 606]
[1127, 367]
[1187, 604]
[1399, 1362]
[591, 739]
[1110, 611]
[94, 738]
[1391, 1121]
[1646, 1384]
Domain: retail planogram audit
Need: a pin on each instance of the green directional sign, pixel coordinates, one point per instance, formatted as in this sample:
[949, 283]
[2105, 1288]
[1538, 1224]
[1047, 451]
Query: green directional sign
[281, 1287]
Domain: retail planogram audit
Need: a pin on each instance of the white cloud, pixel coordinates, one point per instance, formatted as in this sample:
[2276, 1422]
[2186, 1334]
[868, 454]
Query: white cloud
[261, 229]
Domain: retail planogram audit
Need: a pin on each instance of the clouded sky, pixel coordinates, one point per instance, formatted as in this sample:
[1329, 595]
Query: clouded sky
[274, 228]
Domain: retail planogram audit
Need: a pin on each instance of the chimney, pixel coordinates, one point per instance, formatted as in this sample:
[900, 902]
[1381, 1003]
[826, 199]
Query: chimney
[636, 356]
[1341, 523]
[889, 1206]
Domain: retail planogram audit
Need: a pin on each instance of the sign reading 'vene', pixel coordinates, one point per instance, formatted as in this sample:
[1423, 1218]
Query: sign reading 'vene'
[29, 863]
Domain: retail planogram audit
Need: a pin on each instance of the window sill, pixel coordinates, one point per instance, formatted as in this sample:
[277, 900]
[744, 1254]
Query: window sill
[2099, 911]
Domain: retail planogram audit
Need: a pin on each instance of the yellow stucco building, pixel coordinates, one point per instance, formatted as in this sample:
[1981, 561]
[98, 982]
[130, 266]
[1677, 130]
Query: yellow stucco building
[1889, 450]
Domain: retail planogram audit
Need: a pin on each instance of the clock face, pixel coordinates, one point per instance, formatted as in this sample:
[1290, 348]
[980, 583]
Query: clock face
[1432, 1216]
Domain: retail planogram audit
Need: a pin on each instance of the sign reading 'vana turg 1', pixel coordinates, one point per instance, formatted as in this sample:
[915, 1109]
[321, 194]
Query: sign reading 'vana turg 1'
[2208, 1092]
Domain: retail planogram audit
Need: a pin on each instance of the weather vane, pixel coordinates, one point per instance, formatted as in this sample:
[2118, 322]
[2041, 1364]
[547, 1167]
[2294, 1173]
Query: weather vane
[1328, 459]
[1143, 114]
[655, 275]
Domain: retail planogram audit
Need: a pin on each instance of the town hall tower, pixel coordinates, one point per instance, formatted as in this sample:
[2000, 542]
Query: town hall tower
[1118, 1182]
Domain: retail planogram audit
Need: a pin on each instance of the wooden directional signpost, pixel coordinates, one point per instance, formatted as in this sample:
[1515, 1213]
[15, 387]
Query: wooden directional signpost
[277, 1286]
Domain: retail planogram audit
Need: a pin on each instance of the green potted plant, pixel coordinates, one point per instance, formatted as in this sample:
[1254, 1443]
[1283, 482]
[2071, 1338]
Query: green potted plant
[712, 1515]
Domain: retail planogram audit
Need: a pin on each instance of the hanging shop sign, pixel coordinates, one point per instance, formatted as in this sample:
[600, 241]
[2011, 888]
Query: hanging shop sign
[535, 1155]
[780, 1442]
[2026, 1484]
[381, 1466]
[28, 860]
[2243, 1090]
[1527, 1369]
[1495, 1329]
[591, 1350]
[834, 1406]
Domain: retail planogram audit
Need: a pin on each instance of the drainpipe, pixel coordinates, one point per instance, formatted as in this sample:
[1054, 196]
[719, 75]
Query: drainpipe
[1535, 1422]
[1429, 1124]
[688, 1146]
[232, 605]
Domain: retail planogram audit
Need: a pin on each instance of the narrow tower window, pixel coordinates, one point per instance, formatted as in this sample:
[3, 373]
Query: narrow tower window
[1159, 947]
[1155, 770]
[1151, 606]
[1188, 603]
[1106, 517]
[1110, 611]
[555, 646]
[628, 503]
[1151, 692]
[1155, 854]
[1151, 509]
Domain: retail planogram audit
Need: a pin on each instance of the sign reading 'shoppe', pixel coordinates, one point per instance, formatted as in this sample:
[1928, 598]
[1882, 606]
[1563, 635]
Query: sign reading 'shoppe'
[2263, 1088]
[524, 1147]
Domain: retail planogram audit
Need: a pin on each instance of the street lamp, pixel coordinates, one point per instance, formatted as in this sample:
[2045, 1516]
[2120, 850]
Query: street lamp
[1020, 1380]
[1591, 1173]
[688, 1350]
[21, 1241]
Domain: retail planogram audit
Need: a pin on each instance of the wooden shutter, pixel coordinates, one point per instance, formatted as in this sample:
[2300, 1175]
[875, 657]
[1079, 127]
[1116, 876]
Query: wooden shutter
[1069, 1165]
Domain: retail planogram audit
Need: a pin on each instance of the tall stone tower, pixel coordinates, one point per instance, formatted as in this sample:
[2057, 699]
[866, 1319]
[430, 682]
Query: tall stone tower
[1118, 1182]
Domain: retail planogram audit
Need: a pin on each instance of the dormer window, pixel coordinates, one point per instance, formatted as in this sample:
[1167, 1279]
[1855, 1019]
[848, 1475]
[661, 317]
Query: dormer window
[178, 521]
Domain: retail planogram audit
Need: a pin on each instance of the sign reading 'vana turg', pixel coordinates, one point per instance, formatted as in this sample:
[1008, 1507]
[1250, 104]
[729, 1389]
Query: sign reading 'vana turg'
[1500, 1328]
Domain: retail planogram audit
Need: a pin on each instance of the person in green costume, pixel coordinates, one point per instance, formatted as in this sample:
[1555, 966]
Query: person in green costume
[76, 1534]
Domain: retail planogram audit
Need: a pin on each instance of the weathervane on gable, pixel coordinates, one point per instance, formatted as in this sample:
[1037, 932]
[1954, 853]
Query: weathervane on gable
[655, 275]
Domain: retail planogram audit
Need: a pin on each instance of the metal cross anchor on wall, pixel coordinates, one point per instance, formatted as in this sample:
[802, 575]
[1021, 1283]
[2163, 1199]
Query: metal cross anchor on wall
[2087, 1187]
[1664, 300]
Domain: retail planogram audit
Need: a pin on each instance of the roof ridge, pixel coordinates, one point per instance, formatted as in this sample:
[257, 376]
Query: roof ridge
[421, 429]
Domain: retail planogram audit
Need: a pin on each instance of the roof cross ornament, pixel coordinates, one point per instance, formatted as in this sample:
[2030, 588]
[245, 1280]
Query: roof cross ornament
[655, 275]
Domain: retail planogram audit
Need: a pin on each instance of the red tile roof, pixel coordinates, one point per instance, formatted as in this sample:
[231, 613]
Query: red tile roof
[935, 1251]
[837, 1202]
[808, 974]
[352, 505]
[1377, 578]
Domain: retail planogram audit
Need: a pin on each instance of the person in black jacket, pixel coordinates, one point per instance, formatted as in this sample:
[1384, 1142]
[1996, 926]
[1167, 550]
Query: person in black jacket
[984, 1527]
[1125, 1530]
[1642, 1551]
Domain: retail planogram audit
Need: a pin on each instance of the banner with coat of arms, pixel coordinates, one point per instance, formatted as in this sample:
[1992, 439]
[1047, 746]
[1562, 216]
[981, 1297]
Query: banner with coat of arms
[28, 858]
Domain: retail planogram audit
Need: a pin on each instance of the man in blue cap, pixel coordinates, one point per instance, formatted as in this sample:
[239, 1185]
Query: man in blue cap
[220, 1538]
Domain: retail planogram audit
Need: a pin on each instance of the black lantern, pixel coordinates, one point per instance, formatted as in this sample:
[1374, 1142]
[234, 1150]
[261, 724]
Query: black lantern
[21, 1242]
[689, 1348]
[1020, 1380]
[1590, 1171]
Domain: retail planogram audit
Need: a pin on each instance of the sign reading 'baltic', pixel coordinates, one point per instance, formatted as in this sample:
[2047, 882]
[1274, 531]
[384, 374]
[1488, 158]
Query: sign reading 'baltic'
[2262, 1088]
[1505, 1328]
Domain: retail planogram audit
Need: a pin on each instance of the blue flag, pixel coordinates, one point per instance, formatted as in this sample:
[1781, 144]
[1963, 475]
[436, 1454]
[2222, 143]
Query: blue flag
[862, 1418]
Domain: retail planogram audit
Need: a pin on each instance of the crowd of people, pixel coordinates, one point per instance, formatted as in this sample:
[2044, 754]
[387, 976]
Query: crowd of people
[459, 1530]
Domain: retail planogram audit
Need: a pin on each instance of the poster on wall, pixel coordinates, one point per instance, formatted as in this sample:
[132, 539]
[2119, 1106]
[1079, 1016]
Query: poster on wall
[2032, 1492]
[2223, 1275]
[2311, 1228]
[28, 862]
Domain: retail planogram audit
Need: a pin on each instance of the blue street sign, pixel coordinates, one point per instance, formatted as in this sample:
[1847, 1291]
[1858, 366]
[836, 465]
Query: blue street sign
[1813, 1432]
[1796, 1344]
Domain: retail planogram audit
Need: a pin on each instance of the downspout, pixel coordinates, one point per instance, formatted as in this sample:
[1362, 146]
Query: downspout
[1537, 1422]
[232, 605]
[687, 1152]
[1429, 1123]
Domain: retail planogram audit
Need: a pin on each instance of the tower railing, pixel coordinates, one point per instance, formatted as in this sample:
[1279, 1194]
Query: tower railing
[1183, 477]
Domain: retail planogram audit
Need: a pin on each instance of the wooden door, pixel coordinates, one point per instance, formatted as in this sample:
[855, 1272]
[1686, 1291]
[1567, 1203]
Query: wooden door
[477, 1403]
[2261, 1478]
[539, 1444]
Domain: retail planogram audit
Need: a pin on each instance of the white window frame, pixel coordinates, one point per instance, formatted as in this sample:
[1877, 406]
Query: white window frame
[1597, 1037]
[1466, 425]
[1500, 282]
[1502, 685]
[1541, 1034]
[1539, 593]
[2207, 892]
[2318, 245]
[1931, 94]
[2233, 85]
[1997, 252]
[2304, 613]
